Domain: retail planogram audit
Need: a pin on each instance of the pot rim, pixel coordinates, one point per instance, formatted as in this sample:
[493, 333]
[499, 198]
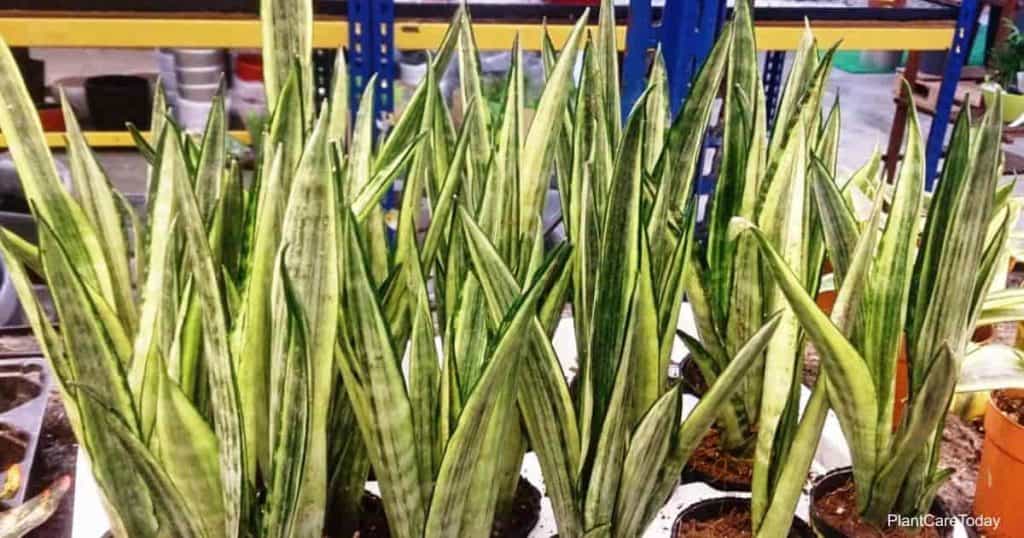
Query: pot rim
[1015, 393]
[1003, 432]
[938, 506]
[799, 526]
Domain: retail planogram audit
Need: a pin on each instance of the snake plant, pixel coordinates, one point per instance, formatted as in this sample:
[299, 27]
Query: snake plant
[767, 179]
[196, 347]
[893, 288]
[612, 455]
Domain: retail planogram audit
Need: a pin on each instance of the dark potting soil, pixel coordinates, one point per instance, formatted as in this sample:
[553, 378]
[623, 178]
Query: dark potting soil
[711, 461]
[373, 523]
[732, 524]
[961, 451]
[515, 523]
[1013, 407]
[838, 508]
[56, 456]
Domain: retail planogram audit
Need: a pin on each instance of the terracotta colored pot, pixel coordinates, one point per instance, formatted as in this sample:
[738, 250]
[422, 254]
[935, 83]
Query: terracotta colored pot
[999, 475]
[983, 334]
[902, 389]
[826, 301]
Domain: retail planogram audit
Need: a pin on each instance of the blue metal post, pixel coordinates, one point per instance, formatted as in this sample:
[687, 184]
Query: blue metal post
[774, 61]
[686, 33]
[384, 54]
[958, 53]
[360, 51]
[639, 38]
[371, 50]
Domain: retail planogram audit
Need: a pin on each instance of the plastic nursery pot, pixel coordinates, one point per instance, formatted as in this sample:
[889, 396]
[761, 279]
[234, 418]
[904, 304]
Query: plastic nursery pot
[838, 478]
[52, 118]
[721, 509]
[826, 301]
[249, 67]
[983, 334]
[716, 468]
[515, 523]
[1013, 104]
[902, 389]
[999, 489]
[115, 100]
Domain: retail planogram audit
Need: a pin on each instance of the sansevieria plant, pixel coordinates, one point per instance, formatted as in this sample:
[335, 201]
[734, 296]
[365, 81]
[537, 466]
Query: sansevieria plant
[896, 285]
[196, 347]
[612, 454]
[610, 458]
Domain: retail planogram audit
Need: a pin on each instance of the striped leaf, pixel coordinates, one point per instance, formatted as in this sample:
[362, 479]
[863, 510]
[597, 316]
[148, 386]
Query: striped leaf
[221, 368]
[854, 395]
[287, 31]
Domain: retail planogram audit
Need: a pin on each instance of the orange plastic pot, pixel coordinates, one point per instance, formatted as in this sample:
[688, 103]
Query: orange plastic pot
[826, 301]
[901, 393]
[982, 335]
[999, 487]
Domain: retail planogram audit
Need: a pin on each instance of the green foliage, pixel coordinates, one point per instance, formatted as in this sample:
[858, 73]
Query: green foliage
[1008, 57]
[928, 287]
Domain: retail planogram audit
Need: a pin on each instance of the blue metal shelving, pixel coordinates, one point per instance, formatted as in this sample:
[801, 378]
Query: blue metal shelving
[686, 33]
[372, 50]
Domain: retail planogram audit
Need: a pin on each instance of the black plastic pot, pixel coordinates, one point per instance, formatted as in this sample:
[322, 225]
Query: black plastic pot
[711, 509]
[518, 524]
[835, 479]
[33, 72]
[115, 100]
[691, 378]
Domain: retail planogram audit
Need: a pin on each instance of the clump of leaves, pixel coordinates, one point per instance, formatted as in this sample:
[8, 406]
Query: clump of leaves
[1008, 57]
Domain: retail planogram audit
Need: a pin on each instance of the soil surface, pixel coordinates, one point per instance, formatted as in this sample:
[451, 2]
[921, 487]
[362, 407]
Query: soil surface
[838, 508]
[961, 451]
[517, 523]
[735, 523]
[56, 456]
[710, 463]
[1013, 407]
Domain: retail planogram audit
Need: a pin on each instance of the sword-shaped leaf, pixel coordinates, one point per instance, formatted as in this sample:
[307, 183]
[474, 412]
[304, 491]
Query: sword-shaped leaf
[854, 395]
[225, 405]
[287, 28]
[292, 440]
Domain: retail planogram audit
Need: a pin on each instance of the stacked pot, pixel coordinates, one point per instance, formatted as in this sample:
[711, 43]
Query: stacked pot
[199, 74]
[248, 95]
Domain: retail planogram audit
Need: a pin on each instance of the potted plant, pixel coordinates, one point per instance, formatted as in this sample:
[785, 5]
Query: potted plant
[761, 438]
[1006, 63]
[188, 398]
[767, 179]
[930, 295]
[611, 454]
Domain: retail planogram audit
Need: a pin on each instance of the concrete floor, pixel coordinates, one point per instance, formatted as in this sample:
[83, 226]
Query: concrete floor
[866, 102]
